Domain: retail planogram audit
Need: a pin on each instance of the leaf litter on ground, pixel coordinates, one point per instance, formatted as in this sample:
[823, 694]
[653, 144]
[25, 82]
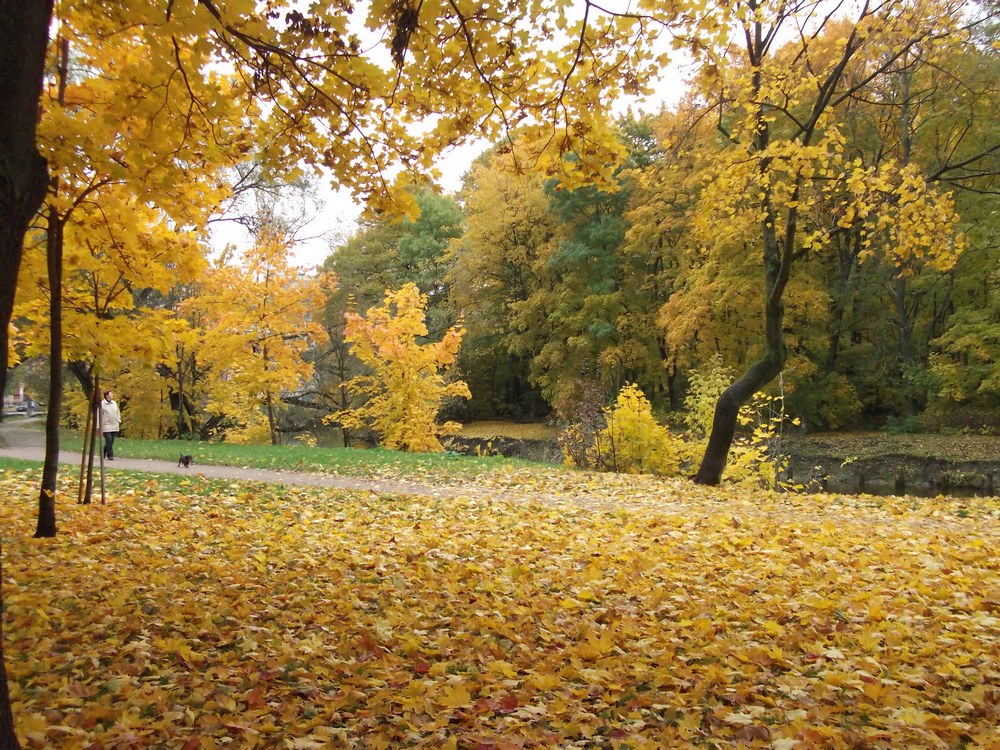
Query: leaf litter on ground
[571, 610]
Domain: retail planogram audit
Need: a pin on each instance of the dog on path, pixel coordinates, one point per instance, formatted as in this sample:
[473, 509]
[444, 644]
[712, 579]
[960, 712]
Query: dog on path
[185, 460]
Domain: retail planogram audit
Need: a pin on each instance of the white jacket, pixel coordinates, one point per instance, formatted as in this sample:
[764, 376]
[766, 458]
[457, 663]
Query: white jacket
[111, 418]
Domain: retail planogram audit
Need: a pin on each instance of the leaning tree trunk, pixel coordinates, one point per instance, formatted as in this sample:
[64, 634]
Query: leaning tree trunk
[769, 366]
[762, 372]
[24, 35]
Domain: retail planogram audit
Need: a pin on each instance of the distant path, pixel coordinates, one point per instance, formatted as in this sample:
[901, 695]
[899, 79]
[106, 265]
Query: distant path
[19, 440]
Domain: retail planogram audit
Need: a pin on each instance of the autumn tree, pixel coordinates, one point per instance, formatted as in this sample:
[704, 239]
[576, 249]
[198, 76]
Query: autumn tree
[258, 314]
[409, 380]
[494, 268]
[122, 212]
[541, 266]
[773, 106]
[23, 174]
[341, 103]
[386, 252]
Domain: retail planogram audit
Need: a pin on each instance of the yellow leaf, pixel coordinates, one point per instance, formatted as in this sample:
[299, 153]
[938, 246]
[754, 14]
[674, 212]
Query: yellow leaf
[503, 668]
[455, 696]
[773, 628]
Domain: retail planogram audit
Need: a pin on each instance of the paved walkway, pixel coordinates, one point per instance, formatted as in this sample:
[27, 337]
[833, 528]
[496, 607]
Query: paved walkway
[19, 440]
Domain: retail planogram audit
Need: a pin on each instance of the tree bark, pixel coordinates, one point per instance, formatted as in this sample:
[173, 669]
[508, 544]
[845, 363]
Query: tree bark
[8, 738]
[777, 259]
[181, 431]
[50, 469]
[727, 409]
[24, 177]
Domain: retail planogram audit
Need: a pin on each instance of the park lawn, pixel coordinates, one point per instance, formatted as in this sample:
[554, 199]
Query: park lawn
[361, 462]
[570, 610]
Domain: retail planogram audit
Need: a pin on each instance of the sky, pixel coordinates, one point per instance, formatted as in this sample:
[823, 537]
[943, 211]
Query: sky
[334, 217]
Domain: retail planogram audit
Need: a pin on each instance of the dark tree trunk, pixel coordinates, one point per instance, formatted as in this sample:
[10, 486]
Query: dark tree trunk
[8, 738]
[50, 469]
[272, 420]
[84, 373]
[24, 177]
[849, 249]
[727, 409]
[90, 450]
[181, 431]
[907, 358]
[777, 257]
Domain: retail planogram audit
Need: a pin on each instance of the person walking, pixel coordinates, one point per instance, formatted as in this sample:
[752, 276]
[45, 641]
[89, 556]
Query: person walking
[111, 424]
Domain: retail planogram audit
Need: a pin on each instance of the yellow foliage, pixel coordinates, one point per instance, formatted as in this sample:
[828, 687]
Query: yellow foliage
[633, 441]
[408, 384]
[256, 317]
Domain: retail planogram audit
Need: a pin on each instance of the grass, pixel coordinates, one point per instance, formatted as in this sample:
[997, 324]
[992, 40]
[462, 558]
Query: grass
[373, 462]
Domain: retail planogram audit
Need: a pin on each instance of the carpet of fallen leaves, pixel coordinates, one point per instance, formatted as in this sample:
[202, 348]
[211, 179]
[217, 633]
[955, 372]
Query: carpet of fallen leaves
[561, 612]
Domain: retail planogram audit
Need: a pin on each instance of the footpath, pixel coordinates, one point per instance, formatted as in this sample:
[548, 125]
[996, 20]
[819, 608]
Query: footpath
[18, 439]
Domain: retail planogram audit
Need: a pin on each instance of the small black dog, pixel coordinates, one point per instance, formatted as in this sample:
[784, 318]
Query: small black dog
[185, 460]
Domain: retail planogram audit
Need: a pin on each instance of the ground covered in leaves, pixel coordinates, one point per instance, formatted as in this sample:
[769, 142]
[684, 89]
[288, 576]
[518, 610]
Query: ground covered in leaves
[573, 611]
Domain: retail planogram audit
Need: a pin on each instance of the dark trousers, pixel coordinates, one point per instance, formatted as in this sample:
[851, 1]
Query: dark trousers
[109, 444]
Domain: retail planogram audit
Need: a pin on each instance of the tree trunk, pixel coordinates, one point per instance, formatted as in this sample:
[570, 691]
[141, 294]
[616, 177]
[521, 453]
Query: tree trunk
[84, 374]
[50, 469]
[777, 257]
[181, 431]
[848, 251]
[727, 409]
[8, 738]
[272, 421]
[93, 415]
[904, 324]
[24, 177]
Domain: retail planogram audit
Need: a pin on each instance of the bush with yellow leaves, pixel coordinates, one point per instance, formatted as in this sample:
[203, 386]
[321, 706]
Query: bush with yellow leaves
[633, 441]
[626, 437]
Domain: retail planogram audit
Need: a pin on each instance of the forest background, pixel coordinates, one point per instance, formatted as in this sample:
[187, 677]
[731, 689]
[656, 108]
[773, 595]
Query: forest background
[567, 291]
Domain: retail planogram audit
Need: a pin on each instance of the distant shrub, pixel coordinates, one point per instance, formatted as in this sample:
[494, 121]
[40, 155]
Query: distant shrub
[827, 402]
[961, 419]
[580, 422]
[632, 441]
[903, 425]
[626, 437]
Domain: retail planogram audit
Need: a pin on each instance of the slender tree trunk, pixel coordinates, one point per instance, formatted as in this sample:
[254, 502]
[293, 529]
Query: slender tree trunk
[89, 450]
[24, 178]
[90, 423]
[850, 248]
[904, 324]
[272, 422]
[50, 469]
[180, 392]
